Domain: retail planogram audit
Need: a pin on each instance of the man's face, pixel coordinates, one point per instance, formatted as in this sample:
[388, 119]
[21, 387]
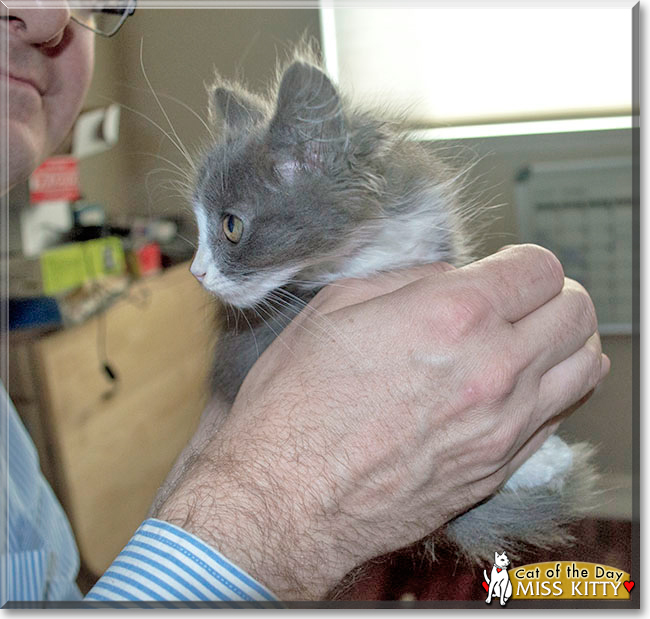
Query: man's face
[45, 69]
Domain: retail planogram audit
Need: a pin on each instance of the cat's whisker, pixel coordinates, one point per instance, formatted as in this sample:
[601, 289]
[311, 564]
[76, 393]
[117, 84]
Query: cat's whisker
[319, 284]
[178, 102]
[297, 306]
[257, 348]
[166, 188]
[190, 243]
[177, 169]
[314, 315]
[237, 314]
[287, 306]
[160, 128]
[178, 190]
[179, 181]
[178, 143]
[333, 333]
[176, 185]
[226, 311]
[269, 314]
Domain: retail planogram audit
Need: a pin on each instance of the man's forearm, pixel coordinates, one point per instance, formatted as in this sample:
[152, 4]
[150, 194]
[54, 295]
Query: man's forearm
[243, 509]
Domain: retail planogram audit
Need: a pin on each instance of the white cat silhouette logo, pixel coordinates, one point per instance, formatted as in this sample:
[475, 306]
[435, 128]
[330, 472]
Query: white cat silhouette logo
[499, 581]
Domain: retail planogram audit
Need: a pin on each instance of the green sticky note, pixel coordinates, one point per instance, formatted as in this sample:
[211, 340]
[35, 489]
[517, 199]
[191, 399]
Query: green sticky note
[63, 268]
[104, 257]
[70, 266]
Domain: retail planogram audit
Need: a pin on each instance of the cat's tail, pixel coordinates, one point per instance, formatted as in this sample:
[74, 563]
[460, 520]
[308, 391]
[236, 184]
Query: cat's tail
[487, 580]
[514, 519]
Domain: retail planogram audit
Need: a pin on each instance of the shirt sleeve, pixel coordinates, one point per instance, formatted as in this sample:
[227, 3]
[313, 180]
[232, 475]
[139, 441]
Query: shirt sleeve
[162, 562]
[38, 555]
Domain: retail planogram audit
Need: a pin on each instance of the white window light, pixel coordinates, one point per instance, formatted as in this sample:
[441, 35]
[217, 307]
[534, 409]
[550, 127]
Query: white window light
[487, 68]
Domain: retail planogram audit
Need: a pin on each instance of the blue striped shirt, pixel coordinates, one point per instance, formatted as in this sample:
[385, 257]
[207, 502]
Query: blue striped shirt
[163, 562]
[39, 559]
[38, 554]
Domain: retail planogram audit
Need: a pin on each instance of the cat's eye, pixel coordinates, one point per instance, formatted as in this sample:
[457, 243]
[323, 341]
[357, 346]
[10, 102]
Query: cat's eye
[233, 228]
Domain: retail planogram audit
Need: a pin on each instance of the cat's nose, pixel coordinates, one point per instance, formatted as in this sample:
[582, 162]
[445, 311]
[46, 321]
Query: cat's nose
[197, 271]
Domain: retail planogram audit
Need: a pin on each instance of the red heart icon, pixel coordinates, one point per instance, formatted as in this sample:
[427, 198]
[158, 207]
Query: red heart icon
[499, 569]
[485, 585]
[629, 585]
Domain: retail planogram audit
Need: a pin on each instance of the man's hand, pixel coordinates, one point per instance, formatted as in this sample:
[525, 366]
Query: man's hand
[385, 409]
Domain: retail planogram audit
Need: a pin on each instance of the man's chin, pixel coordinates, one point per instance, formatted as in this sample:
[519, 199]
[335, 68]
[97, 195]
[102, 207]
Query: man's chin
[25, 153]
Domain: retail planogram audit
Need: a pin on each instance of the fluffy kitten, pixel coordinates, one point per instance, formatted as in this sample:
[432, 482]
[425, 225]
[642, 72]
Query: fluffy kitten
[301, 189]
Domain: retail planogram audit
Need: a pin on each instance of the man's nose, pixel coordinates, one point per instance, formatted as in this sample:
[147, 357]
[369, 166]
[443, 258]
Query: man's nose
[37, 26]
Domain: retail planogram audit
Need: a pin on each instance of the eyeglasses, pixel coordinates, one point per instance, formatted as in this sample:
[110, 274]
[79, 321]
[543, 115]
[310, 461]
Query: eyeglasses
[104, 18]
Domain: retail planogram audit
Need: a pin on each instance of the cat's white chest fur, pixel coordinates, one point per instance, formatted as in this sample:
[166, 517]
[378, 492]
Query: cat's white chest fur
[401, 241]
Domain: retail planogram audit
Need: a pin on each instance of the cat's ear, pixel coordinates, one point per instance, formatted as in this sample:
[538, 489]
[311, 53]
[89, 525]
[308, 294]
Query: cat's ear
[238, 109]
[496, 556]
[309, 117]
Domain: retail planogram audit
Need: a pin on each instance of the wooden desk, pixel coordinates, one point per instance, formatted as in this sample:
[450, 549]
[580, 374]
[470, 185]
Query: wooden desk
[106, 457]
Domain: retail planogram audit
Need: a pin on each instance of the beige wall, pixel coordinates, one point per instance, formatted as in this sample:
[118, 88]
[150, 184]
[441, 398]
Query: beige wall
[180, 51]
[101, 175]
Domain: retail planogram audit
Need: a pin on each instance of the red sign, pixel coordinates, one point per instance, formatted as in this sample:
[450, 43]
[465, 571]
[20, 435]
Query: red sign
[56, 178]
[149, 258]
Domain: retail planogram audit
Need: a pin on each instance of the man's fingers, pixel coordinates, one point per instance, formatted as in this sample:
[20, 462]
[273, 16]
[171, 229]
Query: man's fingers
[573, 378]
[558, 329]
[547, 429]
[517, 280]
[346, 292]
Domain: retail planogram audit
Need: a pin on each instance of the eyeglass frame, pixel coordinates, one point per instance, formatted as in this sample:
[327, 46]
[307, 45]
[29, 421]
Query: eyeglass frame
[129, 9]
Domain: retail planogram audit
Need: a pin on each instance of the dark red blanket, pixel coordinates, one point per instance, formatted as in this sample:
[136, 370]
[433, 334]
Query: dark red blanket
[406, 573]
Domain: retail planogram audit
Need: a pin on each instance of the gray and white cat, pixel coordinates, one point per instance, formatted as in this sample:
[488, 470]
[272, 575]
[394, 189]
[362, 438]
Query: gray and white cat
[301, 189]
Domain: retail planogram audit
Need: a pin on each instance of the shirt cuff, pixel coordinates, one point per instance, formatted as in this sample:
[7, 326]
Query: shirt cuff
[162, 562]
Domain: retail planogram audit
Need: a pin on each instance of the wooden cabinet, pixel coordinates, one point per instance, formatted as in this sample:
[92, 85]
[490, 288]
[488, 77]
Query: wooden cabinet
[105, 448]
